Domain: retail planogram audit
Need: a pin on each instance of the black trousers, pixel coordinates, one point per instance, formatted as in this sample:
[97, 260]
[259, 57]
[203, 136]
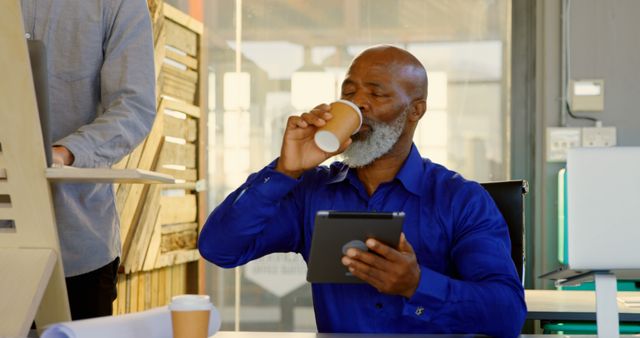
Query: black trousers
[92, 294]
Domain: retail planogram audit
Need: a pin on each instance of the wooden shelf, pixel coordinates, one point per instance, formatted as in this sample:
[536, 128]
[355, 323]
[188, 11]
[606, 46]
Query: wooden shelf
[105, 175]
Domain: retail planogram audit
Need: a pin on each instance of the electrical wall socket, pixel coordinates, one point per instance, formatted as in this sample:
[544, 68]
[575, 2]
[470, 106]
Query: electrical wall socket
[559, 140]
[599, 136]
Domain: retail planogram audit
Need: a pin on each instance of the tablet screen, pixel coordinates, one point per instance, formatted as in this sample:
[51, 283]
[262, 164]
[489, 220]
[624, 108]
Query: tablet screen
[336, 231]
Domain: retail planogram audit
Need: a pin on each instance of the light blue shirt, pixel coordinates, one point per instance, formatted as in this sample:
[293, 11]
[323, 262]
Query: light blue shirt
[102, 104]
[468, 282]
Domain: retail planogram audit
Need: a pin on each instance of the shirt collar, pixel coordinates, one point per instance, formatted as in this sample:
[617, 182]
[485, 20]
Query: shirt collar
[341, 171]
[410, 174]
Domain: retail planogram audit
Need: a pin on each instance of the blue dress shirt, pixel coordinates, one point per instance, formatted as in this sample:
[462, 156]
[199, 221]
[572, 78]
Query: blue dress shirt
[468, 282]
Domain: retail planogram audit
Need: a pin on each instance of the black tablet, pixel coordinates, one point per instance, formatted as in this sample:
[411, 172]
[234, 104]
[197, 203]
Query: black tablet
[336, 231]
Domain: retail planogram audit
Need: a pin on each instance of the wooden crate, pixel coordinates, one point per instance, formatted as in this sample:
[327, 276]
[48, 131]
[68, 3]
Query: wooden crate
[160, 223]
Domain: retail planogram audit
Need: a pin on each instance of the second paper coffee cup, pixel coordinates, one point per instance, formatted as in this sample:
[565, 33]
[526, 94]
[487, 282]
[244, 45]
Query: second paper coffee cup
[345, 122]
[190, 316]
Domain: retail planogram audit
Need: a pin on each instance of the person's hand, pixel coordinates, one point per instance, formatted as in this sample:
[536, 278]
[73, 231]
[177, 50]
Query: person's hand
[391, 271]
[299, 151]
[60, 155]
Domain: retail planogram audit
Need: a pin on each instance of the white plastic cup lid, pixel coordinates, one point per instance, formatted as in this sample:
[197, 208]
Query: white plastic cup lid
[326, 141]
[190, 303]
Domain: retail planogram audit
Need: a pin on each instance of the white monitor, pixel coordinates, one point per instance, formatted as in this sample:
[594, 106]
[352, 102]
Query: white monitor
[603, 204]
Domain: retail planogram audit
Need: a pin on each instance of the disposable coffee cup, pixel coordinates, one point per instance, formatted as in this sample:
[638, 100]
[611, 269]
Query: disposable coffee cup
[346, 121]
[190, 316]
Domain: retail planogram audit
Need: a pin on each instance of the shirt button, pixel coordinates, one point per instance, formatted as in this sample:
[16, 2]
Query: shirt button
[27, 35]
[378, 305]
[419, 311]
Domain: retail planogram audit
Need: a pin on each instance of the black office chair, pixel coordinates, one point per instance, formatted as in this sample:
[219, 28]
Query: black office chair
[509, 198]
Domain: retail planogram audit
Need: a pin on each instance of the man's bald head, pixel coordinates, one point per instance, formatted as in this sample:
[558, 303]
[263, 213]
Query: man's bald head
[404, 66]
[389, 85]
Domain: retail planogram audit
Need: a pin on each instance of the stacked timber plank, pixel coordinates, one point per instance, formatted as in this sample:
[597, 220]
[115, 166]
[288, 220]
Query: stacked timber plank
[159, 223]
[148, 289]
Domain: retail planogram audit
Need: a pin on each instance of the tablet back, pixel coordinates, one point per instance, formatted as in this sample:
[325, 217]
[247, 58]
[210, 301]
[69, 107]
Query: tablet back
[334, 231]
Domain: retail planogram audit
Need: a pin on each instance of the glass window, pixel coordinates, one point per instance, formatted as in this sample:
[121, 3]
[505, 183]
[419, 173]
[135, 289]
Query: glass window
[282, 57]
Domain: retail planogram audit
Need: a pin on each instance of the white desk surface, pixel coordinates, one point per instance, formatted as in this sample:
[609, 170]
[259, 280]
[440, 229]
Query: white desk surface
[573, 305]
[227, 334]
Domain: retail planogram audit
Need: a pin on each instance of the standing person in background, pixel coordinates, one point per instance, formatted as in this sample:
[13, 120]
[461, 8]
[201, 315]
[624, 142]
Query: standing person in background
[102, 105]
[452, 270]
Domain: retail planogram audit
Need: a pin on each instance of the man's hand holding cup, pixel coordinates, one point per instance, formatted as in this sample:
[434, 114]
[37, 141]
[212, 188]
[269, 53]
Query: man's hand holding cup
[313, 137]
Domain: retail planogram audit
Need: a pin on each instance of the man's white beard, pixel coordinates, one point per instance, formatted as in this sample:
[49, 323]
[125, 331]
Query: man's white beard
[382, 138]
